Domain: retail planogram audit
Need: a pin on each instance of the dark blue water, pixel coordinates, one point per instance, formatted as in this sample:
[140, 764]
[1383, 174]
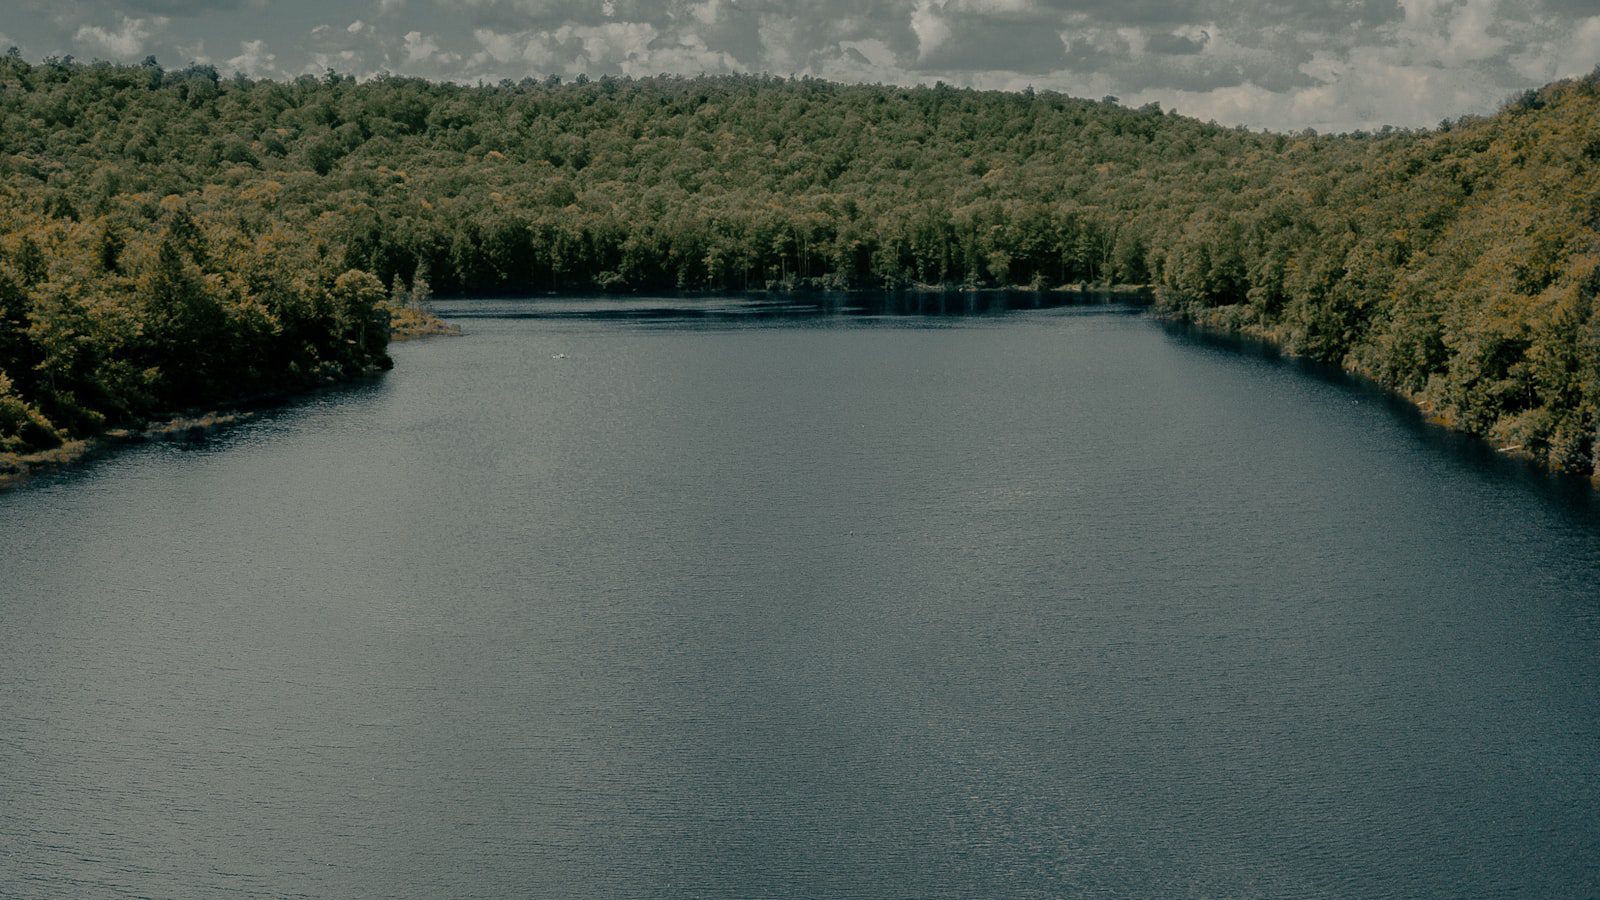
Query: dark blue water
[709, 598]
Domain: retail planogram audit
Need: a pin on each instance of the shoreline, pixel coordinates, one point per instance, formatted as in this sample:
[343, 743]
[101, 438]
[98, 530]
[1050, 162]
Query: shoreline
[1145, 292]
[16, 469]
[1239, 339]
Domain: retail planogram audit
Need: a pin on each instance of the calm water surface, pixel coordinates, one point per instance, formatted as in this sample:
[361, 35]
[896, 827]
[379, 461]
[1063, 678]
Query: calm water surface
[656, 598]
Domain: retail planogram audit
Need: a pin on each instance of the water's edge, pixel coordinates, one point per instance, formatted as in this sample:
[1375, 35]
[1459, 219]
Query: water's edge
[16, 470]
[1405, 406]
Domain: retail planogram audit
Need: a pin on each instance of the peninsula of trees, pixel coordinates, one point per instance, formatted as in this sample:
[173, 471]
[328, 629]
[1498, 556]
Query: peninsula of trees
[172, 239]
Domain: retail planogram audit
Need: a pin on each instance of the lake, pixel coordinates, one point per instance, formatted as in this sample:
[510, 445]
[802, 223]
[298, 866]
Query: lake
[742, 598]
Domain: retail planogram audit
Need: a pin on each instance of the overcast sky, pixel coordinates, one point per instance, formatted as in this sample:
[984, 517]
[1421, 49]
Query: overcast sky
[1286, 64]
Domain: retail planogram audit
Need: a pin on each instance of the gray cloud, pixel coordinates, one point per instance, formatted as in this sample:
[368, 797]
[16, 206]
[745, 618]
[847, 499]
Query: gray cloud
[1329, 64]
[1177, 44]
[177, 7]
[976, 42]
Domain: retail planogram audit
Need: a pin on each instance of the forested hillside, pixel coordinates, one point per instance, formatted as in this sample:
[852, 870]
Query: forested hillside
[174, 238]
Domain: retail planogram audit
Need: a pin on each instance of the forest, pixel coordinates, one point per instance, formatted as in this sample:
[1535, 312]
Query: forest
[175, 239]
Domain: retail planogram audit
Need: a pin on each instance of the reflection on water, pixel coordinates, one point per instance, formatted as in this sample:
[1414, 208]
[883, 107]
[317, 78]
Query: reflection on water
[1572, 492]
[802, 307]
[711, 598]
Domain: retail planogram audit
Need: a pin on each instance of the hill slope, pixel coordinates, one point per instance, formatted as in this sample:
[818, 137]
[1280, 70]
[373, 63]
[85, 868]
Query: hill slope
[173, 238]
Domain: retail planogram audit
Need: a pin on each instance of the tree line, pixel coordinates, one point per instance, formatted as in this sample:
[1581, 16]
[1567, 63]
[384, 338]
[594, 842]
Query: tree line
[173, 238]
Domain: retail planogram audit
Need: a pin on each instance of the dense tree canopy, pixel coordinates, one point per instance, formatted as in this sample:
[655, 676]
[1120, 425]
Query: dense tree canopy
[176, 238]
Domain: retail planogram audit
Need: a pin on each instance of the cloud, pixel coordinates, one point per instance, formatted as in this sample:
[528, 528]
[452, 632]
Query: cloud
[254, 59]
[1451, 32]
[1282, 63]
[624, 47]
[128, 41]
[173, 8]
[419, 47]
[930, 27]
[1572, 51]
[1178, 43]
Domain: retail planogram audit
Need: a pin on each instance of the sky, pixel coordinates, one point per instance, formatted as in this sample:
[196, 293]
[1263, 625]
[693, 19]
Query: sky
[1332, 65]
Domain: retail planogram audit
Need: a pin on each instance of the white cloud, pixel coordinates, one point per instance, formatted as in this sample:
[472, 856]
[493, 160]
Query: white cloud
[126, 42]
[344, 61]
[195, 52]
[1451, 32]
[1569, 52]
[982, 7]
[502, 48]
[572, 49]
[254, 59]
[707, 12]
[419, 47]
[784, 41]
[1335, 65]
[1135, 40]
[616, 42]
[929, 26]
[1362, 91]
[689, 54]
